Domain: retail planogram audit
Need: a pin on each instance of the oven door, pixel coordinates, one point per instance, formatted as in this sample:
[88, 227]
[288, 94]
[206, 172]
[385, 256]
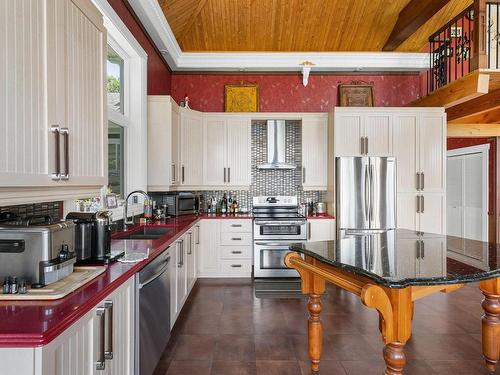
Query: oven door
[280, 230]
[269, 259]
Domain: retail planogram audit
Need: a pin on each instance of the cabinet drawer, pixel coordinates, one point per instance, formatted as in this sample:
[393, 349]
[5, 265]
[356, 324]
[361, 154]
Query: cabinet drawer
[236, 267]
[236, 239]
[235, 252]
[238, 226]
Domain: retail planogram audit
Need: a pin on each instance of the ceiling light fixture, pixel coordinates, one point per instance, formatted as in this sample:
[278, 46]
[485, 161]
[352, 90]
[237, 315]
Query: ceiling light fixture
[306, 69]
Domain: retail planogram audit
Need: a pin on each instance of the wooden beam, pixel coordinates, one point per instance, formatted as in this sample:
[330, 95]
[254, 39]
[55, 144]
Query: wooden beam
[487, 117]
[475, 106]
[473, 130]
[466, 88]
[415, 14]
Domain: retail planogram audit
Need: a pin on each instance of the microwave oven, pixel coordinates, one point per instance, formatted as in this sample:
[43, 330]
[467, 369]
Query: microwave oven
[182, 204]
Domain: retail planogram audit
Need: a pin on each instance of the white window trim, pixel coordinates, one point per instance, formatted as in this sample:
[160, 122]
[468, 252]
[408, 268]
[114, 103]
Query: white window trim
[134, 119]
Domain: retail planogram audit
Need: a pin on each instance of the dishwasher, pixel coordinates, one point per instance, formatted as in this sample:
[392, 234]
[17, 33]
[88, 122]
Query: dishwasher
[153, 308]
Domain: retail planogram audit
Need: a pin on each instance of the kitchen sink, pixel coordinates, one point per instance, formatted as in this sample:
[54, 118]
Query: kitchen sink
[146, 233]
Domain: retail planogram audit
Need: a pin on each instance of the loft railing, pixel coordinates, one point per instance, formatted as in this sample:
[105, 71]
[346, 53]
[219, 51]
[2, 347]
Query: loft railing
[470, 41]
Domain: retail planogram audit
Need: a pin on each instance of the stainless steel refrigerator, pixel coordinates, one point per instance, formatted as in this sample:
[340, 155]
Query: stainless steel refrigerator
[365, 194]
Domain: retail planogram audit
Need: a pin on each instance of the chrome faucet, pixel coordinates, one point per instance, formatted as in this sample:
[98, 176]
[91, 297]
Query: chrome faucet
[126, 222]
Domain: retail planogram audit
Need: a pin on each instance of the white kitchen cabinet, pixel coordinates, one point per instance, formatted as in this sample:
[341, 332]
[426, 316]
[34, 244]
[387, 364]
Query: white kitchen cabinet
[405, 149]
[406, 214]
[160, 146]
[362, 131]
[320, 229]
[175, 151]
[191, 148]
[190, 259]
[432, 155]
[178, 278]
[422, 212]
[314, 153]
[208, 250]
[54, 75]
[227, 161]
[78, 349]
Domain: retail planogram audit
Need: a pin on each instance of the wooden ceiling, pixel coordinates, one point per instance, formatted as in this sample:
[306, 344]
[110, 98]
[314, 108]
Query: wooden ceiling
[295, 25]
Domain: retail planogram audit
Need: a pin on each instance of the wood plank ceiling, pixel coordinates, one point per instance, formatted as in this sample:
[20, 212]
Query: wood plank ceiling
[295, 25]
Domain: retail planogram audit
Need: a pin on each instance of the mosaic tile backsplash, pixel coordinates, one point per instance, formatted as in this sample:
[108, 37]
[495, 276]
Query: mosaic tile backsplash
[274, 181]
[52, 209]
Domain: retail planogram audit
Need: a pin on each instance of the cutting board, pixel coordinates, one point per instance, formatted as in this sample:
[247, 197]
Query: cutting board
[59, 289]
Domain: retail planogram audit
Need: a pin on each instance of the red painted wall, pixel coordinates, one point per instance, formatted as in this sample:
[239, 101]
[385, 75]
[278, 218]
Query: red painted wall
[285, 92]
[454, 143]
[159, 74]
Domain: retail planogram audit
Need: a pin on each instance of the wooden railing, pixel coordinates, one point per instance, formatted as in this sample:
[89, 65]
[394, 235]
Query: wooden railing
[469, 42]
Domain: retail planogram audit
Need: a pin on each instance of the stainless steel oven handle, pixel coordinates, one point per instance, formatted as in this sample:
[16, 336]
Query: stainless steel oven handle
[108, 306]
[280, 223]
[274, 244]
[157, 275]
[100, 364]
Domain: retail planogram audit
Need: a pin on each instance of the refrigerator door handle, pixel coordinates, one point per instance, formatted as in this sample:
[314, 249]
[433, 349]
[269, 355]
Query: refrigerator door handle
[372, 194]
[367, 193]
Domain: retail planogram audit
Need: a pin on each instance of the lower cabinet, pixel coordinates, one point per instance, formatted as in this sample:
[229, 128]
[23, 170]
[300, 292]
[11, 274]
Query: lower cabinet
[225, 248]
[422, 212]
[101, 342]
[321, 229]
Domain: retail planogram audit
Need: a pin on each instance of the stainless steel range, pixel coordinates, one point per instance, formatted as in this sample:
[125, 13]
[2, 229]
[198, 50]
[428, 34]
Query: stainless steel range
[276, 225]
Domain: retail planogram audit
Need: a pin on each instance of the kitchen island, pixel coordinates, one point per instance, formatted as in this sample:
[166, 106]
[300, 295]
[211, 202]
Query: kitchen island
[389, 271]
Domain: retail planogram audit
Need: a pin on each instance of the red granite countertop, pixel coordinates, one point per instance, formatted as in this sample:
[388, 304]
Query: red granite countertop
[36, 323]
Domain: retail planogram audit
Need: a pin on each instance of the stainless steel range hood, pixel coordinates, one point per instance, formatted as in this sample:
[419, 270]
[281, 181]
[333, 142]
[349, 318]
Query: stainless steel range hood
[276, 130]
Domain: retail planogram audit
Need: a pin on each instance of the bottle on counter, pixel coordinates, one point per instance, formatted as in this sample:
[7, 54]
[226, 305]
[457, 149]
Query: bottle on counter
[148, 209]
[236, 207]
[6, 285]
[230, 208]
[223, 205]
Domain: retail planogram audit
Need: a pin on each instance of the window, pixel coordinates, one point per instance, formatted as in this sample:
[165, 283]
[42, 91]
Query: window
[115, 158]
[115, 81]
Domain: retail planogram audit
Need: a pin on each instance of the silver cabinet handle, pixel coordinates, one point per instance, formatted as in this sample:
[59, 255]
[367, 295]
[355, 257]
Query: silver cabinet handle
[418, 181]
[235, 252]
[198, 236]
[422, 249]
[173, 173]
[422, 181]
[56, 130]
[190, 251]
[366, 145]
[303, 175]
[236, 265]
[101, 361]
[236, 239]
[229, 174]
[422, 204]
[65, 134]
[362, 145]
[236, 225]
[224, 175]
[180, 251]
[183, 174]
[309, 230]
[108, 307]
[418, 204]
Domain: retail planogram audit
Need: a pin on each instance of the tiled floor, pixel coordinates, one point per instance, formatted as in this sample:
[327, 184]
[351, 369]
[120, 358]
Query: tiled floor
[224, 329]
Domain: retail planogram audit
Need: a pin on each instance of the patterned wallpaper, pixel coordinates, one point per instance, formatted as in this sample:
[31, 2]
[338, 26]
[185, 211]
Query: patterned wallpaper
[285, 92]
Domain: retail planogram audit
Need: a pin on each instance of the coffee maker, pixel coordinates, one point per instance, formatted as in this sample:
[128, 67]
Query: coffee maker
[92, 236]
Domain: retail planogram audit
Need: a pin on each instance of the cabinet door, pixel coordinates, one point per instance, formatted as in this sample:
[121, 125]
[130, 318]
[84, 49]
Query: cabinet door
[191, 148]
[84, 94]
[215, 173]
[432, 219]
[377, 128]
[347, 134]
[314, 153]
[432, 152]
[176, 138]
[404, 149]
[209, 244]
[190, 260]
[27, 152]
[239, 160]
[407, 216]
[321, 229]
[182, 275]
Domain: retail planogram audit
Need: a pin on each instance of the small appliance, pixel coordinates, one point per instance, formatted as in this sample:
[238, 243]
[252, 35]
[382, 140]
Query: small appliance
[41, 254]
[181, 203]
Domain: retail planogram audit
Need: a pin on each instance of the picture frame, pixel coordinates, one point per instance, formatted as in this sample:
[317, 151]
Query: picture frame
[111, 201]
[356, 95]
[241, 98]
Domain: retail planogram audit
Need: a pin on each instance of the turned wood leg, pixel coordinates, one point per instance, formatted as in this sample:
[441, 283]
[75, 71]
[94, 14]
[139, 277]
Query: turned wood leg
[491, 322]
[394, 358]
[315, 330]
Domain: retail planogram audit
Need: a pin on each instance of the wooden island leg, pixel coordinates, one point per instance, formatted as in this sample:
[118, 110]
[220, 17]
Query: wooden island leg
[491, 322]
[395, 359]
[314, 330]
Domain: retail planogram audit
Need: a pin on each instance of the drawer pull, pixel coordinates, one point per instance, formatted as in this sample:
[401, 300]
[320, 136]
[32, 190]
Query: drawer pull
[236, 225]
[236, 239]
[236, 252]
[236, 265]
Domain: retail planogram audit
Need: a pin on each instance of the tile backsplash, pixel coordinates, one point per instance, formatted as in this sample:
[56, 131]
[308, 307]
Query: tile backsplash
[274, 181]
[52, 209]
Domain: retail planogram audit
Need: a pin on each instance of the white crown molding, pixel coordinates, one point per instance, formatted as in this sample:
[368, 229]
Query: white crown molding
[153, 19]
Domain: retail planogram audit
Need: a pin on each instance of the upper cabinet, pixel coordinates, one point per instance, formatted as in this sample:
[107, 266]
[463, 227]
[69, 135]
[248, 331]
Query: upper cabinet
[54, 130]
[362, 132]
[227, 161]
[314, 153]
[191, 152]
